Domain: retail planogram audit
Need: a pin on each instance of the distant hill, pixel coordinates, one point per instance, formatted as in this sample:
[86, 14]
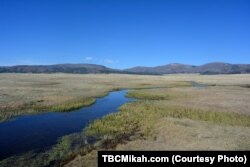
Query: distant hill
[210, 68]
[166, 69]
[58, 68]
[223, 68]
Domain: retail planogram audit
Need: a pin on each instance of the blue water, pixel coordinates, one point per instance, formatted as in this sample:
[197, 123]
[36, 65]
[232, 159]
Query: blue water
[35, 132]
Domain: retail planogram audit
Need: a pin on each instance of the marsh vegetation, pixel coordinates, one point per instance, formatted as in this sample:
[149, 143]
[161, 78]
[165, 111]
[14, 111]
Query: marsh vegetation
[170, 114]
[33, 93]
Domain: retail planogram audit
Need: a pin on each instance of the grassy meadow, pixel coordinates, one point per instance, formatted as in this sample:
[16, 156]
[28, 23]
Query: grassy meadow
[170, 113]
[32, 93]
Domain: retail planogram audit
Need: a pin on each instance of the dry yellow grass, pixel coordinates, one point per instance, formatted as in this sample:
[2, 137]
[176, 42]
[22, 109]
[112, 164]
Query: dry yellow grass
[218, 98]
[229, 95]
[27, 93]
[225, 80]
[25, 90]
[180, 134]
[186, 134]
[226, 93]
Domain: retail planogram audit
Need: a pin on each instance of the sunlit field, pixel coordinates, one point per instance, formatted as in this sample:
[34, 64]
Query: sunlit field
[172, 112]
[32, 93]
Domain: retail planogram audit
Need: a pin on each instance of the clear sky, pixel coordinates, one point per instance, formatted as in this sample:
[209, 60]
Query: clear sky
[124, 33]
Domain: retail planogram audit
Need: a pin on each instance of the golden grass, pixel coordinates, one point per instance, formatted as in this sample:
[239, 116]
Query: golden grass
[186, 134]
[179, 118]
[180, 134]
[225, 80]
[172, 115]
[32, 93]
[27, 93]
[141, 116]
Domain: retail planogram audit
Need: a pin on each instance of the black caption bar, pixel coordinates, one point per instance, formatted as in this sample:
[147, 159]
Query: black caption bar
[173, 158]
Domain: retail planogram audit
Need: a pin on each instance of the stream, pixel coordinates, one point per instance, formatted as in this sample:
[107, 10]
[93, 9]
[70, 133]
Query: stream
[36, 132]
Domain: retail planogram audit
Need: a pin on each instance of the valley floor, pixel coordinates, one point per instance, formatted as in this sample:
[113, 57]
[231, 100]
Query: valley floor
[171, 113]
[213, 117]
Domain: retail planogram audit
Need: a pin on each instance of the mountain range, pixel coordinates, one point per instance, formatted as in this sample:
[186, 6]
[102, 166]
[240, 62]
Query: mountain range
[210, 68]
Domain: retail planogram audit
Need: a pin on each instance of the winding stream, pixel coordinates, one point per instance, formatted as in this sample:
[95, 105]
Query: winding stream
[36, 132]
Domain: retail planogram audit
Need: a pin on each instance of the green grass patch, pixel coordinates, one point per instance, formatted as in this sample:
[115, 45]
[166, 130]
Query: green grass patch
[153, 94]
[33, 108]
[67, 106]
[113, 125]
[142, 115]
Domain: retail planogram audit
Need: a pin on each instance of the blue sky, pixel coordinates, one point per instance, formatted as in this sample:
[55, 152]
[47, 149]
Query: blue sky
[122, 34]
